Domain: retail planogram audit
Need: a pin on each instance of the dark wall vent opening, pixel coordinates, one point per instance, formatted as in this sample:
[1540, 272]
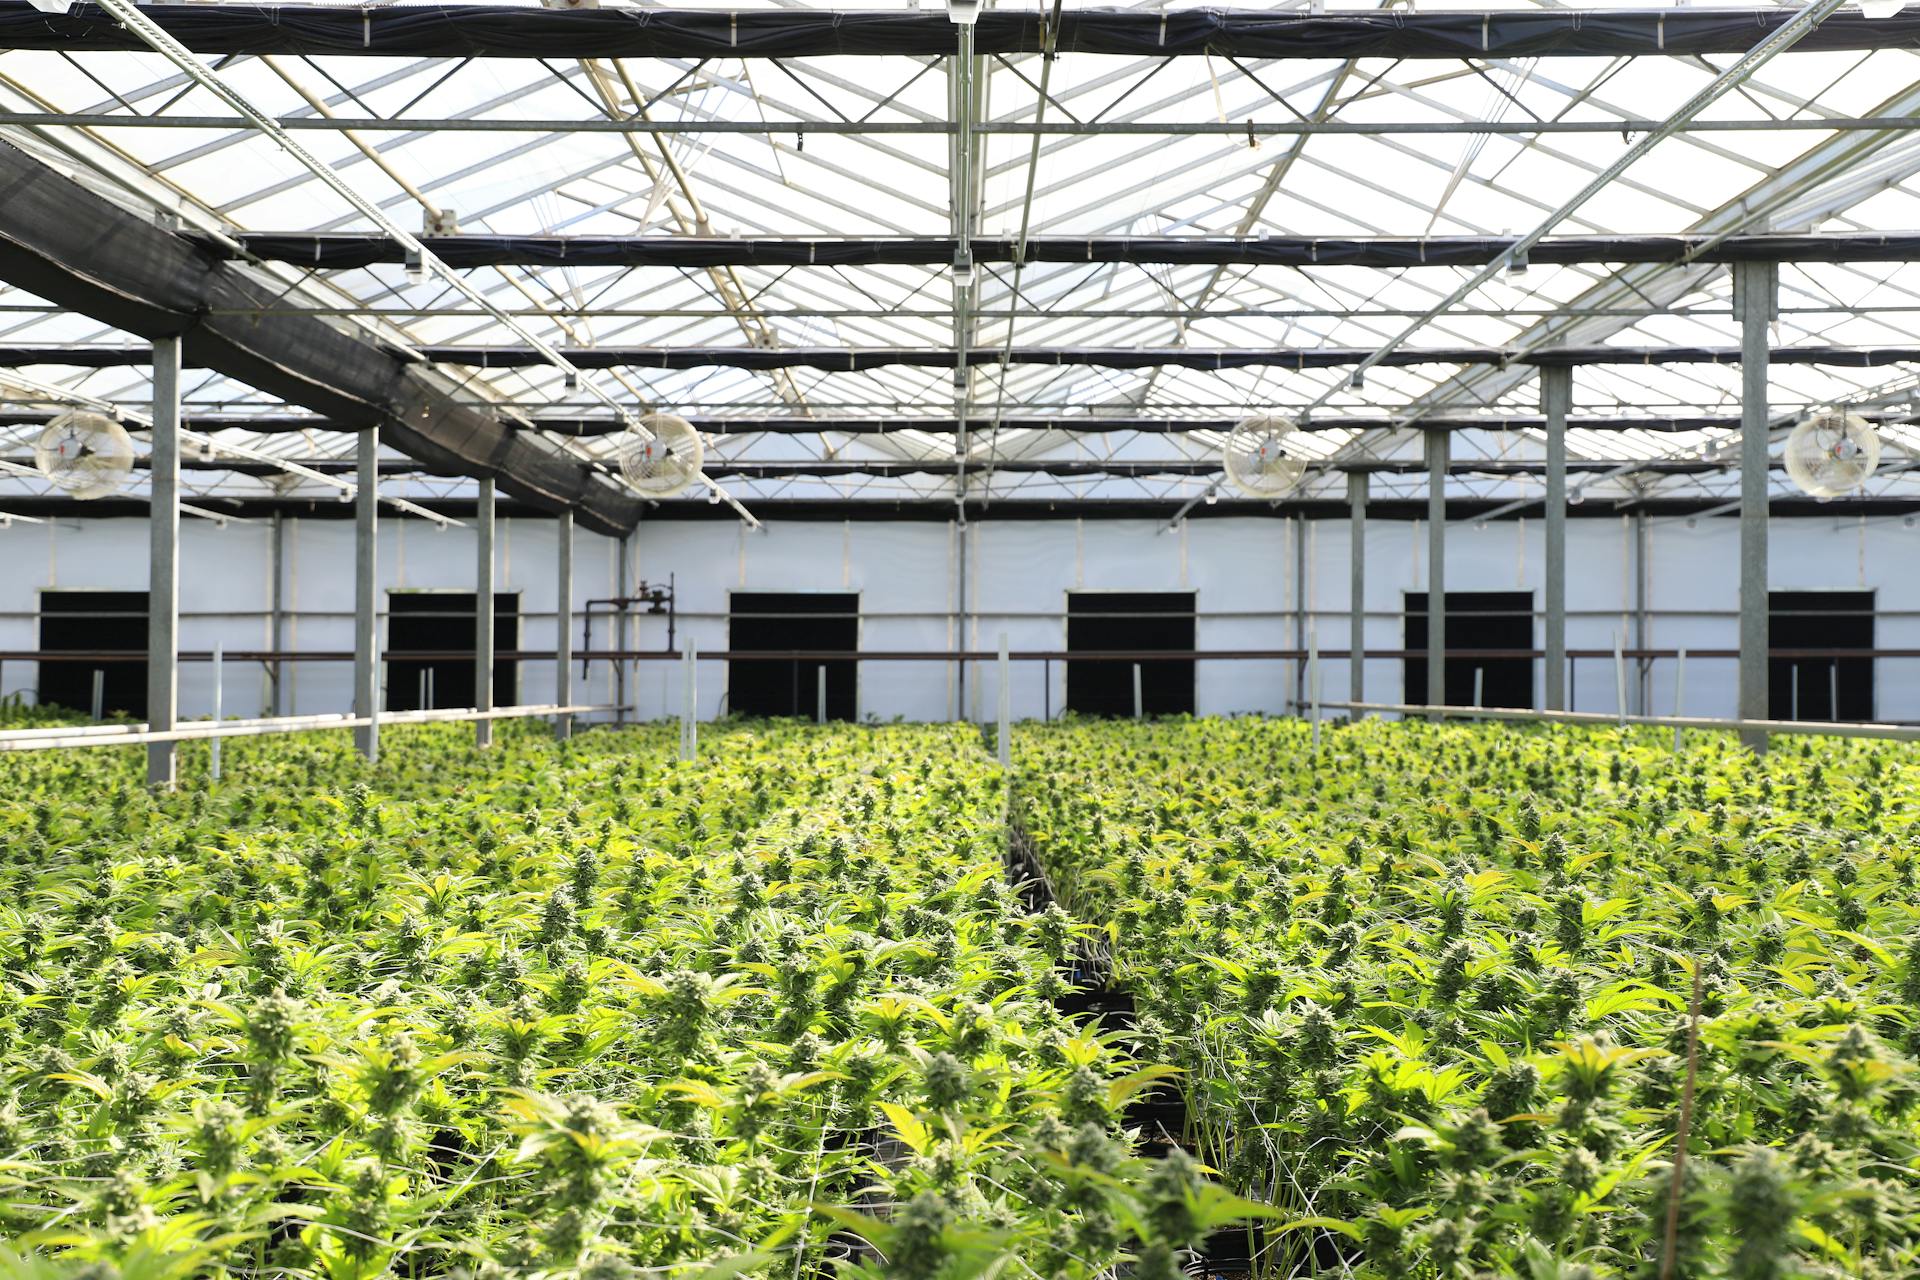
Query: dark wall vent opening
[1130, 621]
[777, 622]
[1476, 620]
[1820, 688]
[94, 621]
[444, 622]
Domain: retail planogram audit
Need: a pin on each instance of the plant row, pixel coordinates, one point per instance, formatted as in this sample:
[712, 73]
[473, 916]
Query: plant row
[557, 1008]
[1446, 995]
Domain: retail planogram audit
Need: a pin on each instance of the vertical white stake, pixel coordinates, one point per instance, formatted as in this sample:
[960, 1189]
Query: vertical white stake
[1006, 706]
[1620, 679]
[1313, 681]
[1139, 706]
[1833, 691]
[99, 694]
[1679, 695]
[1795, 709]
[219, 661]
[820, 694]
[689, 744]
[1479, 689]
[432, 696]
[423, 704]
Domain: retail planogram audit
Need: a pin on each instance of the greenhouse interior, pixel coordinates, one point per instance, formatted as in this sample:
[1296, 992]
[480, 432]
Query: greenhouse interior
[959, 640]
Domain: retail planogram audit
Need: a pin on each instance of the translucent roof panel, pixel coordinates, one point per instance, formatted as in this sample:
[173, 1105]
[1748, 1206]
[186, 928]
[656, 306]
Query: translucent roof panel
[1212, 145]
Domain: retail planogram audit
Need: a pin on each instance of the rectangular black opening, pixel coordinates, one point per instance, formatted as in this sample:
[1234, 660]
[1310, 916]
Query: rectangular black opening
[1475, 620]
[445, 622]
[89, 621]
[1807, 688]
[785, 621]
[1130, 621]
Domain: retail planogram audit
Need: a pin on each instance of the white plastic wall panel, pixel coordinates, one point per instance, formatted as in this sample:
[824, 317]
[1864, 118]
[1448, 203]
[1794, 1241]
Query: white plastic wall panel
[1243, 572]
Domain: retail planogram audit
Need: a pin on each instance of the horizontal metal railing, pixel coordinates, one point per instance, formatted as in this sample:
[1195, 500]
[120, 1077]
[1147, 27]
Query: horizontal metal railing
[134, 734]
[1898, 732]
[916, 655]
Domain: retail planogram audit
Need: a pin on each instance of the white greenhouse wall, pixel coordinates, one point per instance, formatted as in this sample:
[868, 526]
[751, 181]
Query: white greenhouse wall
[1246, 573]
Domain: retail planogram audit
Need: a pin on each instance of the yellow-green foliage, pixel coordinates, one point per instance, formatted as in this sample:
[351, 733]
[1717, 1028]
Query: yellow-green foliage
[1432, 984]
[548, 1009]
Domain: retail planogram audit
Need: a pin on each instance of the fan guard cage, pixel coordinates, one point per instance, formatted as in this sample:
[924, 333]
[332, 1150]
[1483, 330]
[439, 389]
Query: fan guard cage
[85, 455]
[1832, 453]
[662, 455]
[1259, 461]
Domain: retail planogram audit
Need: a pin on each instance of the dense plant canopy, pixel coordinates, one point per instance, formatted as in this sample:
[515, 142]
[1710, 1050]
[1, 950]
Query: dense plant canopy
[1430, 1002]
[1434, 985]
[556, 1008]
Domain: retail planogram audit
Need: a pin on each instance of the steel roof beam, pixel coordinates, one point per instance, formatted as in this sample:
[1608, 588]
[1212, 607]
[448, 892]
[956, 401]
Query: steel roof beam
[981, 506]
[490, 31]
[1201, 466]
[339, 250]
[1065, 424]
[858, 359]
[862, 359]
[800, 126]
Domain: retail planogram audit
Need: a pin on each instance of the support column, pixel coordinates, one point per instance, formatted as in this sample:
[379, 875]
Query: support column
[961, 614]
[1299, 525]
[1357, 486]
[277, 625]
[617, 627]
[563, 626]
[1754, 285]
[1437, 452]
[1556, 399]
[163, 571]
[1642, 627]
[483, 615]
[366, 620]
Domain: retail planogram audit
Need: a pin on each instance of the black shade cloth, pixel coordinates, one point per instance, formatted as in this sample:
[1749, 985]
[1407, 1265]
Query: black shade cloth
[61, 242]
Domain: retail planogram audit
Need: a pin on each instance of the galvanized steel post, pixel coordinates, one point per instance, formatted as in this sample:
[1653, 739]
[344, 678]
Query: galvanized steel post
[366, 679]
[483, 615]
[1556, 398]
[163, 570]
[1755, 285]
[1357, 483]
[1436, 568]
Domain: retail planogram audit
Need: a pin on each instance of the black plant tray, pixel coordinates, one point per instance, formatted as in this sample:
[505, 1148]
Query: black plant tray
[1113, 1007]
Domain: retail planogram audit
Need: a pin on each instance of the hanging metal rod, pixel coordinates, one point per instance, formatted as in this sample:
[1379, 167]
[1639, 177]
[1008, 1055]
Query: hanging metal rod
[493, 31]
